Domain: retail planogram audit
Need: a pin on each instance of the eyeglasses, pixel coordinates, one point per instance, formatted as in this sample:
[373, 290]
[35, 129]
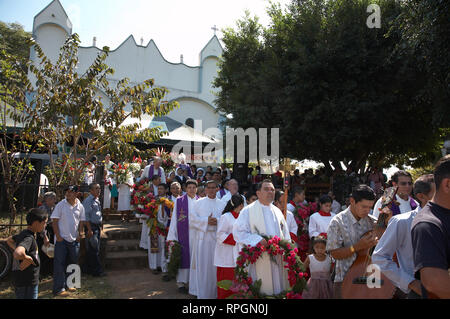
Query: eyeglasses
[405, 183]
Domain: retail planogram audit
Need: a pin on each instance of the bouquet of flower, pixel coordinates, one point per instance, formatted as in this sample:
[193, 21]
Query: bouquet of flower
[167, 162]
[243, 286]
[152, 222]
[122, 173]
[135, 169]
[301, 214]
[144, 202]
[141, 196]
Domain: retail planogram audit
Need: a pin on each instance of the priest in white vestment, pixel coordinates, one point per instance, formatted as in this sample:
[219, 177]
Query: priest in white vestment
[177, 217]
[203, 220]
[263, 218]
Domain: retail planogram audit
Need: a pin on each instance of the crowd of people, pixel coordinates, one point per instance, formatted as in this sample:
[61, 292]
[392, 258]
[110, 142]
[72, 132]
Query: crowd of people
[212, 220]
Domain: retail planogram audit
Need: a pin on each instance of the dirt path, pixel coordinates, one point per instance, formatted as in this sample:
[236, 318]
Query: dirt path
[142, 284]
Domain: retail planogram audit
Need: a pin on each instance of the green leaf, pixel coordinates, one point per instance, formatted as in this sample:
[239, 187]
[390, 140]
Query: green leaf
[225, 284]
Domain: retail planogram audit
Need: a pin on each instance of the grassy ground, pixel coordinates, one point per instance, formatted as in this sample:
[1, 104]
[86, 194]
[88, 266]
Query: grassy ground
[91, 288]
[4, 219]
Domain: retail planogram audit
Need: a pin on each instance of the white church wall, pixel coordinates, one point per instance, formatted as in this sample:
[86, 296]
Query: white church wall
[197, 110]
[190, 85]
[208, 75]
[50, 38]
[55, 14]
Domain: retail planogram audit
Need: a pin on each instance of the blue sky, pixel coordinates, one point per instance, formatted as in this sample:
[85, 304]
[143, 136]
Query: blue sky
[177, 26]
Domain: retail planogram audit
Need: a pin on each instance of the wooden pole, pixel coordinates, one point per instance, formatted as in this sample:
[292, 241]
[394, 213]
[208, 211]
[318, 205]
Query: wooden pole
[286, 185]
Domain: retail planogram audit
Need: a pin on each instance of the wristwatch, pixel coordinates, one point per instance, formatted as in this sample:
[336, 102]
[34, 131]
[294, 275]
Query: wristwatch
[352, 249]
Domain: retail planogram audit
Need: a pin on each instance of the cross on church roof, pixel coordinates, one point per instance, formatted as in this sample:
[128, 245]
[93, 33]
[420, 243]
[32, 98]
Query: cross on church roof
[215, 29]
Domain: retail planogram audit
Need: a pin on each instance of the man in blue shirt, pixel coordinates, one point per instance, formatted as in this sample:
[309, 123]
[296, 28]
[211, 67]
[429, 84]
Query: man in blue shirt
[397, 239]
[93, 212]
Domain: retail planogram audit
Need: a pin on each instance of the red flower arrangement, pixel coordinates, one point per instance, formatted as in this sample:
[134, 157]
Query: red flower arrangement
[243, 286]
[167, 162]
[144, 202]
[301, 214]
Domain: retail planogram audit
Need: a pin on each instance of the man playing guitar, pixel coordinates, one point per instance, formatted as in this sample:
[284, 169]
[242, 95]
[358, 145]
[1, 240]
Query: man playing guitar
[345, 231]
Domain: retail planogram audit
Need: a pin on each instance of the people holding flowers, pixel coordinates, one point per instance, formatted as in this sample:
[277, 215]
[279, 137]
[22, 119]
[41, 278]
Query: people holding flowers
[258, 219]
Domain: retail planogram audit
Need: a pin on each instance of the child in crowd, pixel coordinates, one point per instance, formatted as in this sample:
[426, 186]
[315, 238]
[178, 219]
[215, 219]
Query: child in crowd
[318, 222]
[25, 268]
[227, 251]
[298, 199]
[251, 197]
[319, 285]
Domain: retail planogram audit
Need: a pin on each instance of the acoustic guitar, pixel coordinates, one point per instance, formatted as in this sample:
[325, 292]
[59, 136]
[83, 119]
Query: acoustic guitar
[355, 284]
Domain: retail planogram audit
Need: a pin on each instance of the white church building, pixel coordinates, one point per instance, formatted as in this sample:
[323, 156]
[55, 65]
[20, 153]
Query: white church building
[190, 86]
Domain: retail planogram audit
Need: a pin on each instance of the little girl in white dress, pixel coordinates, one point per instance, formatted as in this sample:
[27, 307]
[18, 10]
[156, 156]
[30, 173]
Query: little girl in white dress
[319, 286]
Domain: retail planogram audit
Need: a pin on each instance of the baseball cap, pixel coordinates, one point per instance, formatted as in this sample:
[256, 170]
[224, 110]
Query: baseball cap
[73, 188]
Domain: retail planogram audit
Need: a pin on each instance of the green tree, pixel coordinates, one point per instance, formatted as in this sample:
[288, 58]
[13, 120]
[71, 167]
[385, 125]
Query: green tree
[81, 114]
[15, 143]
[14, 40]
[424, 27]
[337, 89]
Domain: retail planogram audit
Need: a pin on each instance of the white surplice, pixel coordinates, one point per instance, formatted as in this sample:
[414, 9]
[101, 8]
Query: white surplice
[292, 224]
[225, 255]
[183, 273]
[243, 235]
[159, 259]
[291, 207]
[319, 224]
[203, 276]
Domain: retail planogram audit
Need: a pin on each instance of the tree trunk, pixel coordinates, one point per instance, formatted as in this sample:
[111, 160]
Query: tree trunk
[336, 164]
[328, 167]
[12, 206]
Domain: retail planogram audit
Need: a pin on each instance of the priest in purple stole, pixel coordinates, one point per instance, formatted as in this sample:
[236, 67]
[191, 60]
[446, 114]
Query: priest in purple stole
[179, 231]
[154, 169]
[403, 180]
